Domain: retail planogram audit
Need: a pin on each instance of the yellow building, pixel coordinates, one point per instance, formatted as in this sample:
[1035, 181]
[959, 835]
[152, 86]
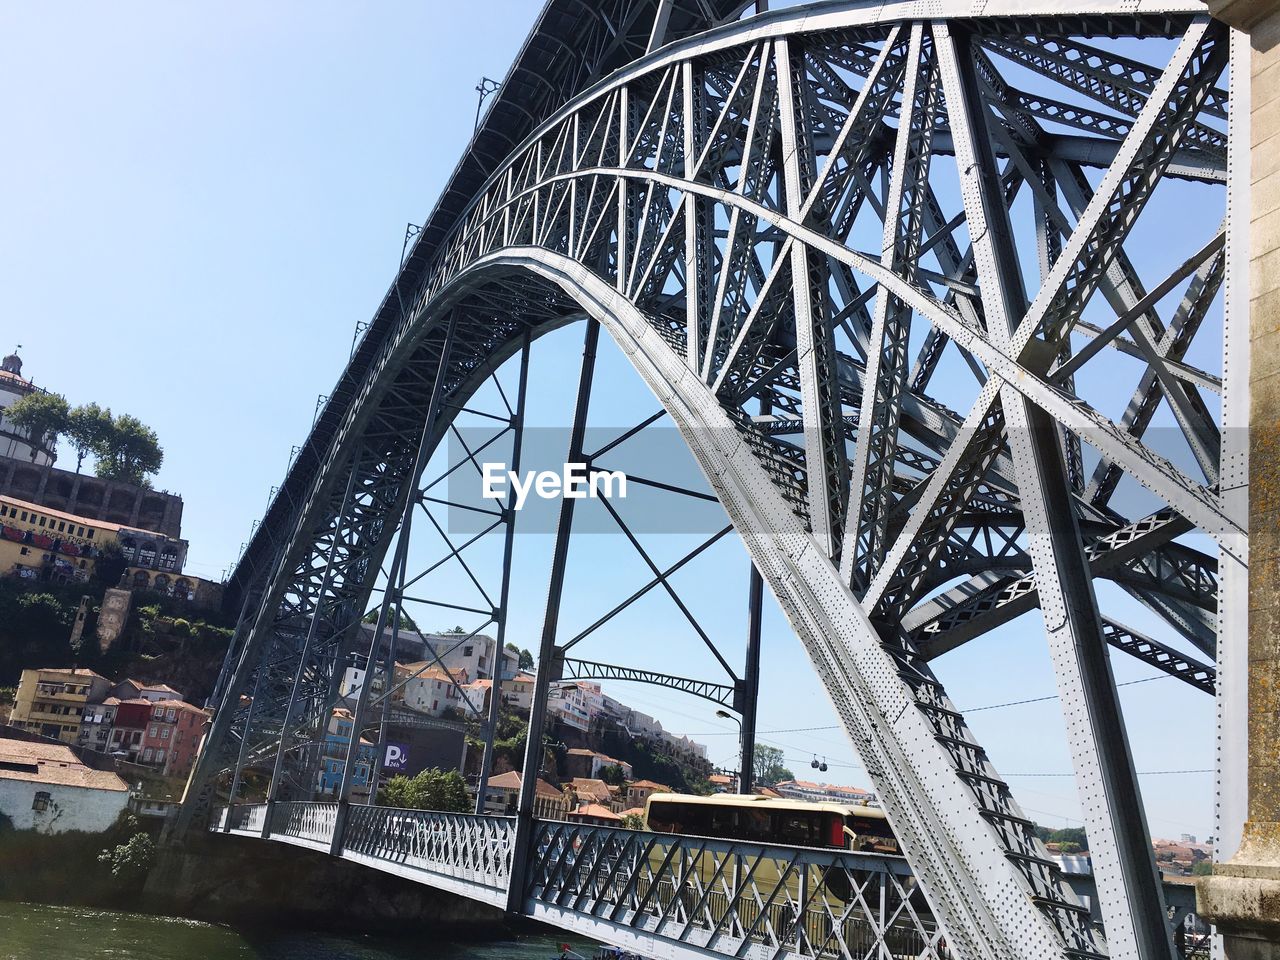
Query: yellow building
[51, 701]
[40, 543]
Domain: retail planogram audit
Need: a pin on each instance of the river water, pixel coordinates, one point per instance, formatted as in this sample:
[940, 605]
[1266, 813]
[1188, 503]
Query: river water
[37, 932]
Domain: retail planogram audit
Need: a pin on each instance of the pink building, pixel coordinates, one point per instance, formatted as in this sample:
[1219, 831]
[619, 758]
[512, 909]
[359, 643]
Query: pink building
[172, 736]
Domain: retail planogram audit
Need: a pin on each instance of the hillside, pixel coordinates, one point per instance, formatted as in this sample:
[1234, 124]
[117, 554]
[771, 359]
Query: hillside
[164, 641]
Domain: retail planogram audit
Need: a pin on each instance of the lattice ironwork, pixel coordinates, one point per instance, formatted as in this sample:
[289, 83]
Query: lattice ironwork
[729, 898]
[760, 217]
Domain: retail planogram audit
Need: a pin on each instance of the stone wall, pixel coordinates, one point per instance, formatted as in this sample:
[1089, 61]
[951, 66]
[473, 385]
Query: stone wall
[1243, 896]
[88, 496]
[67, 808]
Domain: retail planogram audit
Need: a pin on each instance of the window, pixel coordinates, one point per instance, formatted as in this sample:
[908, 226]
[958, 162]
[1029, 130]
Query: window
[41, 802]
[467, 651]
[42, 521]
[79, 531]
[160, 755]
[4, 511]
[62, 526]
[24, 515]
[172, 714]
[26, 551]
[164, 733]
[157, 713]
[155, 730]
[147, 755]
[91, 533]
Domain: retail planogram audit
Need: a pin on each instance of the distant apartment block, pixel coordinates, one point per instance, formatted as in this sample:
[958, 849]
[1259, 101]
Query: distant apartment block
[823, 792]
[52, 702]
[454, 652]
[146, 723]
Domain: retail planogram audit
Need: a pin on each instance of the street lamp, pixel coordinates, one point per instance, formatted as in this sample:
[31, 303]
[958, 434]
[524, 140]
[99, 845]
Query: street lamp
[726, 715]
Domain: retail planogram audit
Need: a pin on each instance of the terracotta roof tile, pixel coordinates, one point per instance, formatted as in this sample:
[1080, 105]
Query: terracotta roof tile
[46, 763]
[596, 811]
[649, 785]
[511, 781]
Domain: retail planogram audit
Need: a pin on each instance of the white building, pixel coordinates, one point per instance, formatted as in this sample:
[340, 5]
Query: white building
[475, 654]
[430, 690]
[518, 691]
[44, 787]
[16, 441]
[686, 749]
[475, 699]
[353, 680]
[823, 792]
[576, 702]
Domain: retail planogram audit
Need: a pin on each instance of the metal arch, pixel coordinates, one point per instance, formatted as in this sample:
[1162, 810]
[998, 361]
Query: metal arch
[606, 203]
[721, 693]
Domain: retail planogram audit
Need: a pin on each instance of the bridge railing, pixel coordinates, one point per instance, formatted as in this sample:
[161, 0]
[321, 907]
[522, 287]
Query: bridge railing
[312, 823]
[245, 818]
[728, 896]
[474, 849]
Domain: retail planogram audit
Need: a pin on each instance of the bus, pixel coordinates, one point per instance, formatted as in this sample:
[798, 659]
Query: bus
[786, 823]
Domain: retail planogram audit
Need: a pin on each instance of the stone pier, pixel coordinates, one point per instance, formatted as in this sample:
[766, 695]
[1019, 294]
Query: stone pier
[1242, 897]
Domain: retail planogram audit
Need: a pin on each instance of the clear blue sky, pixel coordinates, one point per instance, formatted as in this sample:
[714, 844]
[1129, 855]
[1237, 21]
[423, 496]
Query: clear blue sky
[200, 204]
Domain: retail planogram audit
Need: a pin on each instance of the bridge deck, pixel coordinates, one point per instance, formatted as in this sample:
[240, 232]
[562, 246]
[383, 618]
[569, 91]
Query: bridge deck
[654, 894]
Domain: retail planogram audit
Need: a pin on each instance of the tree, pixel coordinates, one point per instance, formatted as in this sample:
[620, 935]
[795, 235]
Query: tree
[431, 789]
[130, 452]
[131, 860]
[109, 566]
[768, 765]
[44, 416]
[1202, 868]
[406, 622]
[88, 428]
[526, 658]
[1074, 835]
[612, 773]
[633, 821]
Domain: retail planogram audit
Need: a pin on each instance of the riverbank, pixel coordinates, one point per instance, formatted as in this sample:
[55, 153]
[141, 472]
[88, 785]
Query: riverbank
[240, 883]
[251, 883]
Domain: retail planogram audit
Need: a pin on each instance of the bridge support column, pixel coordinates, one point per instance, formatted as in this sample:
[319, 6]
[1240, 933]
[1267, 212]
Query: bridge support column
[751, 682]
[547, 648]
[504, 596]
[1242, 897]
[277, 772]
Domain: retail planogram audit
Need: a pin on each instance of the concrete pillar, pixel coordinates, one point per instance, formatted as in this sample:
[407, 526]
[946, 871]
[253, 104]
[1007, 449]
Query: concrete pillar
[1242, 897]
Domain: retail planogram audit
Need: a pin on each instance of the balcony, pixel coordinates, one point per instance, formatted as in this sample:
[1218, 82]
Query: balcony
[58, 691]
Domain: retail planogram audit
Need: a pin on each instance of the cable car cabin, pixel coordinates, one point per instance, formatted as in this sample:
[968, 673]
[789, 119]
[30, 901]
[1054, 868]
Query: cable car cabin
[786, 823]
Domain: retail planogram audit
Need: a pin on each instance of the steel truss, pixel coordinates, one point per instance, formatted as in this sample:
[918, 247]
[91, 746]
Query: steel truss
[710, 205]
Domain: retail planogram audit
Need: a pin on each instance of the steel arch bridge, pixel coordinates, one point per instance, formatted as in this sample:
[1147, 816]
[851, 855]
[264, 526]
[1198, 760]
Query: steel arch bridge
[877, 262]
